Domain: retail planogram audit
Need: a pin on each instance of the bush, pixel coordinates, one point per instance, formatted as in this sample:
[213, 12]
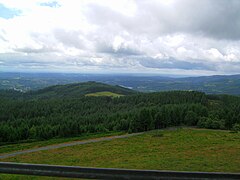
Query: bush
[191, 118]
[236, 127]
[206, 122]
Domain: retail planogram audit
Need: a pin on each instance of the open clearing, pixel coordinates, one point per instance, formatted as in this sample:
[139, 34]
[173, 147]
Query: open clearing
[104, 93]
[180, 150]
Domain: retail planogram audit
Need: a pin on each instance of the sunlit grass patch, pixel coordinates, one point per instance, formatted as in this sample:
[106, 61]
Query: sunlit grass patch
[104, 93]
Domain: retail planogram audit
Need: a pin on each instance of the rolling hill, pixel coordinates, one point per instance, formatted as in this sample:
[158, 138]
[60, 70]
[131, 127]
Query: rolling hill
[79, 89]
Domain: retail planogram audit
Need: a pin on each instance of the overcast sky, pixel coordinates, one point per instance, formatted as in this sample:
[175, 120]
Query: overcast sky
[190, 37]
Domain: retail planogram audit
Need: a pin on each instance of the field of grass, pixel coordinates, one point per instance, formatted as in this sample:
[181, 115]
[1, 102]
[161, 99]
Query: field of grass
[28, 145]
[180, 150]
[104, 93]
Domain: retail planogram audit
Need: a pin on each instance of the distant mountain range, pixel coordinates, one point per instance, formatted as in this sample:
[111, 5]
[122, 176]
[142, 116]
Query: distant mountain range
[229, 84]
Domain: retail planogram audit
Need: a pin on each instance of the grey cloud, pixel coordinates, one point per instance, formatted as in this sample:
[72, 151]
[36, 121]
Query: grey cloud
[127, 52]
[69, 38]
[213, 18]
[175, 64]
[218, 19]
[230, 67]
[2, 35]
[27, 62]
[122, 51]
[36, 50]
[15, 59]
[2, 38]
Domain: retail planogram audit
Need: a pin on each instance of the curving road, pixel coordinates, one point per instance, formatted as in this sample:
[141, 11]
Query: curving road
[66, 145]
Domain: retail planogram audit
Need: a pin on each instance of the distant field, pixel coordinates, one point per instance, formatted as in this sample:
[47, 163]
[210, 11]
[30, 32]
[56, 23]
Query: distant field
[104, 93]
[180, 150]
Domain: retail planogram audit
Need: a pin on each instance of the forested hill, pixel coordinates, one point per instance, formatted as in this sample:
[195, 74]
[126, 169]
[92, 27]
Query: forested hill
[77, 89]
[73, 90]
[45, 118]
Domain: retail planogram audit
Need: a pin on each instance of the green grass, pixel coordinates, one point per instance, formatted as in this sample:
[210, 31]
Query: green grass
[21, 146]
[180, 150]
[104, 93]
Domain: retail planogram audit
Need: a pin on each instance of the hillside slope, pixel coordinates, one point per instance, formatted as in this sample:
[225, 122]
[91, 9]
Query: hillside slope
[78, 89]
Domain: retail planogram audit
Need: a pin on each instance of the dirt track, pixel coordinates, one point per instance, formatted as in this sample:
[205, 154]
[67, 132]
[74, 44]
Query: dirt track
[66, 145]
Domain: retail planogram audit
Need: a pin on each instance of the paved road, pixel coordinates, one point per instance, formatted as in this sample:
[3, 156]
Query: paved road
[66, 145]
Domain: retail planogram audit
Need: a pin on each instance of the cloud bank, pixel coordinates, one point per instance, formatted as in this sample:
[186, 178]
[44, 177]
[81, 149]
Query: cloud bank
[142, 36]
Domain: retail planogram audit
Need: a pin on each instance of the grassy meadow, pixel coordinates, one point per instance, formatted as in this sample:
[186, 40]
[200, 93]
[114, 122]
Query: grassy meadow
[36, 144]
[179, 150]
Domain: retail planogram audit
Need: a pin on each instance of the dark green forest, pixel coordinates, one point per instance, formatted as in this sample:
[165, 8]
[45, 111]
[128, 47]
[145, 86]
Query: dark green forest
[37, 117]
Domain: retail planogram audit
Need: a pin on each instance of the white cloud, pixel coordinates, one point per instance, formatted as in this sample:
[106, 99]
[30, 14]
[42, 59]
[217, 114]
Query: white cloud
[146, 35]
